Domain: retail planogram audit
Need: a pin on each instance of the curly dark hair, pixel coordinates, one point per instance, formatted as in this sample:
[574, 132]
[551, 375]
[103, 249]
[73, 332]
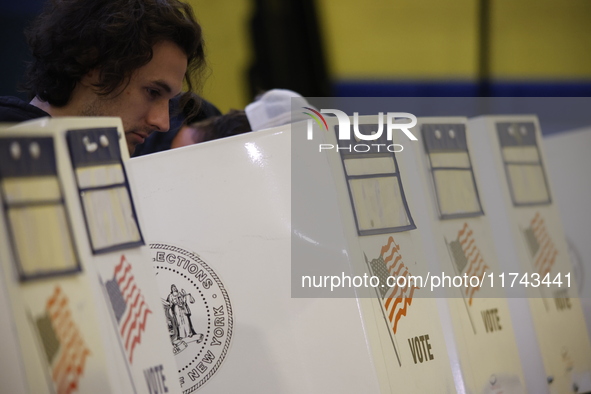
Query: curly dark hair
[72, 37]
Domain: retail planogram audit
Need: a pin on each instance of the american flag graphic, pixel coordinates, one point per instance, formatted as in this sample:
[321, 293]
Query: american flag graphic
[467, 258]
[394, 299]
[540, 245]
[64, 347]
[129, 307]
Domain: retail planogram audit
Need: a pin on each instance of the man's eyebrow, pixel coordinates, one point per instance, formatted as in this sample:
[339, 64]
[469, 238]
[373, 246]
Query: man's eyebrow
[163, 85]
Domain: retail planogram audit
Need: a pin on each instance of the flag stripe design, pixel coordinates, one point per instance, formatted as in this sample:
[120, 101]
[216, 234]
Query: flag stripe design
[475, 262]
[396, 299]
[545, 254]
[70, 356]
[129, 306]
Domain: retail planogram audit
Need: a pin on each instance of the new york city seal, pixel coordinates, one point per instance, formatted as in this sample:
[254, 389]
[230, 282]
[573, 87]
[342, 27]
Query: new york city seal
[198, 313]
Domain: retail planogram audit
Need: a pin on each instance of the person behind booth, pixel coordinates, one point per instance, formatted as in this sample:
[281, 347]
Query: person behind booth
[233, 123]
[125, 58]
[270, 109]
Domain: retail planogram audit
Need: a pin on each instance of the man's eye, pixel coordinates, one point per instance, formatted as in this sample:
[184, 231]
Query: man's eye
[153, 92]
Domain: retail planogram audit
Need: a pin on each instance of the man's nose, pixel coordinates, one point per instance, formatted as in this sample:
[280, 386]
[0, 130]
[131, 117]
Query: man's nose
[158, 117]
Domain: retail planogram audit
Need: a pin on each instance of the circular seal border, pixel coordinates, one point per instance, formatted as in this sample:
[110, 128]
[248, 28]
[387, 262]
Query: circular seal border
[227, 302]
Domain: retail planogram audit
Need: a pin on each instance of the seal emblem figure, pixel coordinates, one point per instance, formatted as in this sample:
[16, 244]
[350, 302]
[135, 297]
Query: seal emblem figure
[197, 310]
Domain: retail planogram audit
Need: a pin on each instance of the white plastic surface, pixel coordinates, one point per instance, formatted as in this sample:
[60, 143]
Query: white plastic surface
[569, 165]
[229, 201]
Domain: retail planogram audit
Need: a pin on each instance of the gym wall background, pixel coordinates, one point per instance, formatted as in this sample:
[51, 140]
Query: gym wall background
[378, 48]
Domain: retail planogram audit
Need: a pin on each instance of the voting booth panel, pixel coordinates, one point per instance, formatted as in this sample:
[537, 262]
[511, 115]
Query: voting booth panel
[532, 249]
[57, 324]
[13, 374]
[218, 218]
[459, 242]
[568, 169]
[377, 210]
[73, 228]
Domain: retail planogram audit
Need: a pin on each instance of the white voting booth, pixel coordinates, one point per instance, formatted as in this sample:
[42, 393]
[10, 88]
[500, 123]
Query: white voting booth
[457, 231]
[529, 240]
[378, 213]
[219, 219]
[568, 169]
[403, 326]
[86, 317]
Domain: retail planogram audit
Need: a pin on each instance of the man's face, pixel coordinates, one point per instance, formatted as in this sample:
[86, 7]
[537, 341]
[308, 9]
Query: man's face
[143, 105]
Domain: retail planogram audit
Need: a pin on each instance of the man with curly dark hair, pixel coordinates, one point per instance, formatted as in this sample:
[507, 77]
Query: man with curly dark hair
[125, 58]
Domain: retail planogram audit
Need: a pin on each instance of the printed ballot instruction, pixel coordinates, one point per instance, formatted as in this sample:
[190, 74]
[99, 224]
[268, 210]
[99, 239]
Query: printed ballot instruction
[440, 280]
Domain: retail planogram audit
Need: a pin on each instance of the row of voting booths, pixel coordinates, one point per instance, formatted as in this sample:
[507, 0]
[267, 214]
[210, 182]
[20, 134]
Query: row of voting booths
[377, 254]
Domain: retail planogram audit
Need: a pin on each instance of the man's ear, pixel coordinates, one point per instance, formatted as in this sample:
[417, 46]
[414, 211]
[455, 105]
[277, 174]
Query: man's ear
[91, 78]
